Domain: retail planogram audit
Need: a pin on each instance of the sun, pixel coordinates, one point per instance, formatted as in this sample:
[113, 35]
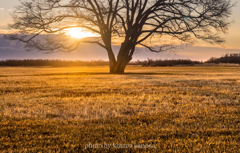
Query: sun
[79, 33]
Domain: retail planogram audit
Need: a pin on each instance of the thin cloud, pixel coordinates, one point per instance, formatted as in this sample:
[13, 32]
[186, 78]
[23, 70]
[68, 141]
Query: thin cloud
[10, 48]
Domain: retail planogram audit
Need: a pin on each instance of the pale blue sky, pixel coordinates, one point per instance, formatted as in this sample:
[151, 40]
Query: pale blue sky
[232, 38]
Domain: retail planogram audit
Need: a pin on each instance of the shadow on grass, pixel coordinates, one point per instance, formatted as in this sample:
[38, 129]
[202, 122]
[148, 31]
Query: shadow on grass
[100, 73]
[106, 73]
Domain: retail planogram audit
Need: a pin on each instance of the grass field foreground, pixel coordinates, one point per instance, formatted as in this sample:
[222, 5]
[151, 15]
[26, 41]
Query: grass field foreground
[84, 109]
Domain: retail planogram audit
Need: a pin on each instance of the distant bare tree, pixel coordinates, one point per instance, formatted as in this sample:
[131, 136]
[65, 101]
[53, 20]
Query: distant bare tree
[133, 21]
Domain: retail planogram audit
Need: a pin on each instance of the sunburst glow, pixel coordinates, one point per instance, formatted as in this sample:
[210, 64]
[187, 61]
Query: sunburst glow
[79, 33]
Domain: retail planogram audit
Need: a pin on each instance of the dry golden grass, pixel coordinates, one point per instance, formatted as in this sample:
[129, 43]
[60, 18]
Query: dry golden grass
[178, 109]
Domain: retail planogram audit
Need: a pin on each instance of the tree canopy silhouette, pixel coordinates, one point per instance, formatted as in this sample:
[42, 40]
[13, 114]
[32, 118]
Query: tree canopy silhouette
[132, 22]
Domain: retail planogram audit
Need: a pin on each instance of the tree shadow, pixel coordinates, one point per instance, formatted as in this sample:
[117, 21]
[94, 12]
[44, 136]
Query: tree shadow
[104, 73]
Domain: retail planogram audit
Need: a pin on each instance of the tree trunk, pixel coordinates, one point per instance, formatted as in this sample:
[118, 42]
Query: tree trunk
[119, 66]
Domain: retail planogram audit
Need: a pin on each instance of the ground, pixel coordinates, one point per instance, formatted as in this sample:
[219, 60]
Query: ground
[86, 109]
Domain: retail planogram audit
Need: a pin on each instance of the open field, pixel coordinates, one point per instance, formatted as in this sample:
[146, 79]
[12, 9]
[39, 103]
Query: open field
[175, 109]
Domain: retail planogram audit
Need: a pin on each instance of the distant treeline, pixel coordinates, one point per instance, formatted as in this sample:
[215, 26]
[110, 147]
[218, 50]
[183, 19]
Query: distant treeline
[158, 62]
[228, 58]
[55, 63]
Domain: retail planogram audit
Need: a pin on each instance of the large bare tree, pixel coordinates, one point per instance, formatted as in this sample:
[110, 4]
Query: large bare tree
[132, 22]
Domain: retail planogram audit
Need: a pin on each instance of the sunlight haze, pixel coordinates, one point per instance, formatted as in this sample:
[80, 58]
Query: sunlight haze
[79, 33]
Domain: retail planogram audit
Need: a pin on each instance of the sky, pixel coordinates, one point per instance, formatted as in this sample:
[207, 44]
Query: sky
[200, 52]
